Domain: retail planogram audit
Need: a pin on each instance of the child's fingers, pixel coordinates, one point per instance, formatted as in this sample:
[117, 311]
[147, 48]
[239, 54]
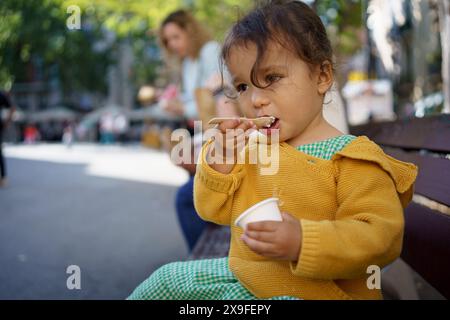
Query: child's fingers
[263, 226]
[286, 215]
[231, 135]
[259, 247]
[228, 124]
[262, 236]
[231, 129]
[245, 125]
[239, 129]
[236, 137]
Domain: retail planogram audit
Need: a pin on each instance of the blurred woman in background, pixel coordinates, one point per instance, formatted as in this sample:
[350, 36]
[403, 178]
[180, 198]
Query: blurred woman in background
[185, 39]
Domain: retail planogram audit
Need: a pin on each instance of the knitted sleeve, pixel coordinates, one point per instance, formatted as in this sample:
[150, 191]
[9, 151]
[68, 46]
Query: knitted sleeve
[368, 225]
[214, 191]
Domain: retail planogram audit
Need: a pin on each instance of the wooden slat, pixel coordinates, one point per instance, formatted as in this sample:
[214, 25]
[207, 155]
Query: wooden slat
[430, 133]
[433, 180]
[426, 246]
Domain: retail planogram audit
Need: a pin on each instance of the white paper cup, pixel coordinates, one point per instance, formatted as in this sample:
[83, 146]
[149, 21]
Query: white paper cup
[266, 210]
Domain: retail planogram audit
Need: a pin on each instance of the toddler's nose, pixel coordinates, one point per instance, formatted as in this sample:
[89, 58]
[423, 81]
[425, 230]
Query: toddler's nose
[259, 98]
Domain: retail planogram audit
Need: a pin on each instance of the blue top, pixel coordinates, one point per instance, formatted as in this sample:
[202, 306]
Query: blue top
[195, 73]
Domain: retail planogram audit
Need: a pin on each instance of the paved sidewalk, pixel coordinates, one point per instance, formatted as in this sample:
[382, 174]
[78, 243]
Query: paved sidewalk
[109, 210]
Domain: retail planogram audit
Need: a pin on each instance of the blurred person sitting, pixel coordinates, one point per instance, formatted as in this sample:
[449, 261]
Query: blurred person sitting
[107, 128]
[121, 127]
[68, 135]
[31, 134]
[184, 38]
[5, 103]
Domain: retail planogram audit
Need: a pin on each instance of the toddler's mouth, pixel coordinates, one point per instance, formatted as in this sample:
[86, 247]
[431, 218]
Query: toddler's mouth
[275, 124]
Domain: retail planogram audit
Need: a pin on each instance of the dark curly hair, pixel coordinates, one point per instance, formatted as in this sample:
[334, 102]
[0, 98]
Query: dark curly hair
[292, 24]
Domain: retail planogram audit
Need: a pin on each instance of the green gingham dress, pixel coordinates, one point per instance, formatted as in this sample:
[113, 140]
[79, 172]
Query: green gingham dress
[211, 279]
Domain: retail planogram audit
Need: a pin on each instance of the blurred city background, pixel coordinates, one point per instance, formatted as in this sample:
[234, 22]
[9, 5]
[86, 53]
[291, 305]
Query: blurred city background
[89, 177]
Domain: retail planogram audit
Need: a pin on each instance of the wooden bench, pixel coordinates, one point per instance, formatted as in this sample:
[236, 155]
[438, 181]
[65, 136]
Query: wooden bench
[426, 247]
[425, 142]
[213, 243]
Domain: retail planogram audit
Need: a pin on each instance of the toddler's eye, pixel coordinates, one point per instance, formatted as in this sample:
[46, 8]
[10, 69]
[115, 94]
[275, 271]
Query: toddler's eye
[271, 78]
[241, 87]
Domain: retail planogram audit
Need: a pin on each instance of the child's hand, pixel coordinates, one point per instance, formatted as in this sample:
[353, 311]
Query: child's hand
[235, 140]
[234, 134]
[273, 239]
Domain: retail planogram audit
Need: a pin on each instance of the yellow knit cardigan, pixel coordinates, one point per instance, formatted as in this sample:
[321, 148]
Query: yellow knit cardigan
[350, 209]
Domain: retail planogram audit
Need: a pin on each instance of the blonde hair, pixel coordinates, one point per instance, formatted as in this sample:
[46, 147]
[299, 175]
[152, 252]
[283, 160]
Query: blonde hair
[198, 34]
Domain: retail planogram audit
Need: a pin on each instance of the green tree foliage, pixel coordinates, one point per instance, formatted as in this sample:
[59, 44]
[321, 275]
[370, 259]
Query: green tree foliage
[219, 15]
[35, 42]
[34, 38]
[344, 18]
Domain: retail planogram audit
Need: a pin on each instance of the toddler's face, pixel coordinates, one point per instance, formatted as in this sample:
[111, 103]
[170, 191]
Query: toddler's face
[294, 96]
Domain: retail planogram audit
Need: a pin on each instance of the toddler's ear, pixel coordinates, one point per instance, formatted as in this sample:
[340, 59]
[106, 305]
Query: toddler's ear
[325, 78]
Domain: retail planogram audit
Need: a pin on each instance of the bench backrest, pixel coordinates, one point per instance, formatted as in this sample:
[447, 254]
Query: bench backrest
[425, 142]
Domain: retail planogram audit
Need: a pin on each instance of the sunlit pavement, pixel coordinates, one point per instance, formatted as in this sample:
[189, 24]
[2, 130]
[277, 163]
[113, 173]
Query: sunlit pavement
[107, 209]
